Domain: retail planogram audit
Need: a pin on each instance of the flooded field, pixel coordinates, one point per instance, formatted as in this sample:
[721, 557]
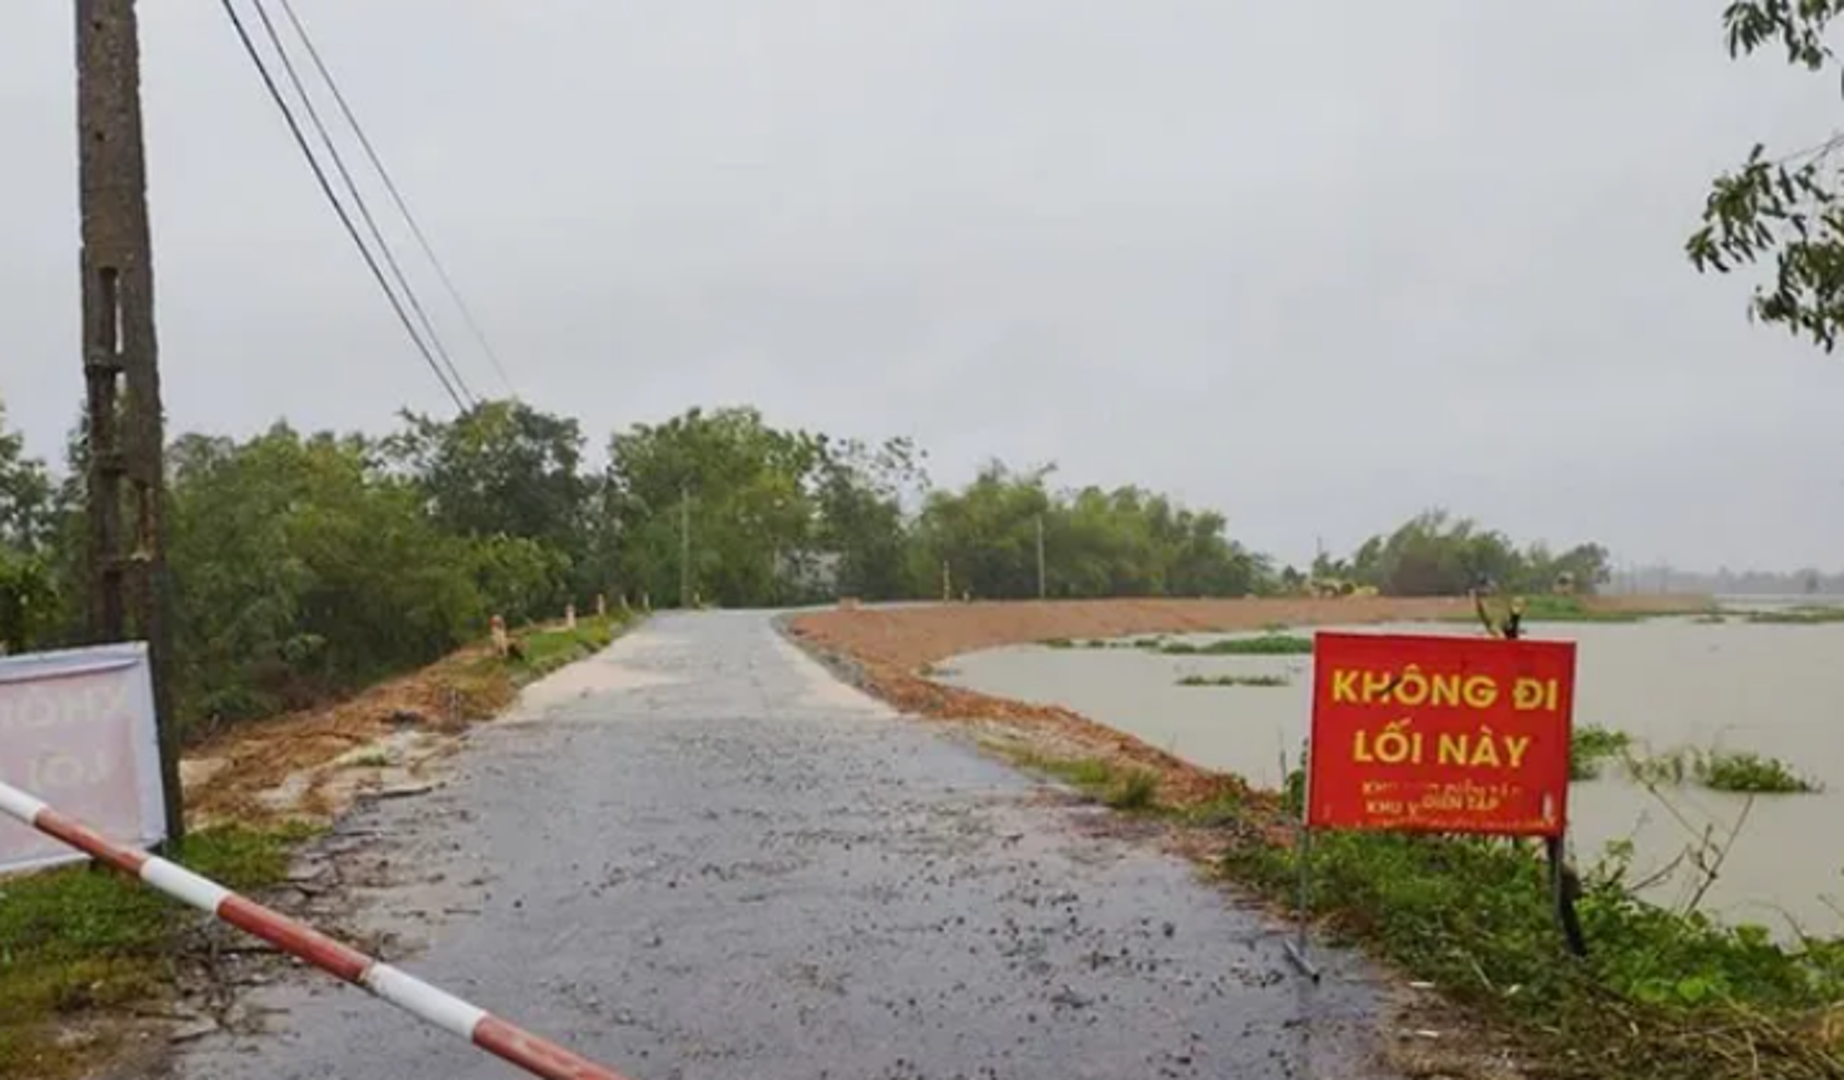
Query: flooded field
[1676, 684]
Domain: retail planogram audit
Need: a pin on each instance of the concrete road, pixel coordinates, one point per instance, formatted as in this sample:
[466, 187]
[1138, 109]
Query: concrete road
[702, 856]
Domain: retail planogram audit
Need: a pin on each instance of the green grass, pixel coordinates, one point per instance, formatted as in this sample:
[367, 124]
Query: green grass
[552, 648]
[1660, 995]
[1122, 789]
[1134, 789]
[1234, 680]
[1591, 747]
[80, 939]
[1736, 771]
[1744, 771]
[1265, 645]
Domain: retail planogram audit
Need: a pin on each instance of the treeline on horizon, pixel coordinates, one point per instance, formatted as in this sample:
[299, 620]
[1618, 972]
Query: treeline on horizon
[304, 566]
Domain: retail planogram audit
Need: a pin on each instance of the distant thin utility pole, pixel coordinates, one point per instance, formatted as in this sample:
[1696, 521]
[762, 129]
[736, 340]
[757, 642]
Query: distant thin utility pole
[1042, 581]
[685, 546]
[128, 574]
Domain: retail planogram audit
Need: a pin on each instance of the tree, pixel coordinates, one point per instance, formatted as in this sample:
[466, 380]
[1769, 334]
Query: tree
[860, 492]
[1786, 207]
[29, 597]
[1124, 542]
[745, 487]
[510, 477]
[986, 533]
[1436, 554]
[302, 568]
[501, 467]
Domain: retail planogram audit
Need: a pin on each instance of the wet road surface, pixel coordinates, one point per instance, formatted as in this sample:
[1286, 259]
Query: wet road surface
[705, 857]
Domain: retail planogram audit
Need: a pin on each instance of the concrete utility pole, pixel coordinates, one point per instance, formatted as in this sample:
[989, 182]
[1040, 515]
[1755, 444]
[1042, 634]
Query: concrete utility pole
[119, 353]
[1043, 589]
[685, 595]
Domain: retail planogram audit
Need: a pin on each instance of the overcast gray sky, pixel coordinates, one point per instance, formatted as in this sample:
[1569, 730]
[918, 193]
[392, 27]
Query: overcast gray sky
[1316, 264]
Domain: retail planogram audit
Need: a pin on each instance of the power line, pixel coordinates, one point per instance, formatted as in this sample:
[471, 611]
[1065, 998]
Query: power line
[358, 198]
[454, 293]
[326, 188]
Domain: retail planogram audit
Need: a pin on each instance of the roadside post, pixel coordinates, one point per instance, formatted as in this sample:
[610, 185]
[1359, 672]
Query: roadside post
[1427, 734]
[535, 1055]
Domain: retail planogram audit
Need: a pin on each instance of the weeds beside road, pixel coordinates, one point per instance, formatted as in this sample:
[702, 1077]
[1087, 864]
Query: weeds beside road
[81, 941]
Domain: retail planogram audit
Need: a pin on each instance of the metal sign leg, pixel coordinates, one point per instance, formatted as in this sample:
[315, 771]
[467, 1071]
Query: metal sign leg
[1296, 949]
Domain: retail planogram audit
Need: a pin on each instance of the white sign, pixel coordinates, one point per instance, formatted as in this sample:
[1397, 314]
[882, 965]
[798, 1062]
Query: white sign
[77, 730]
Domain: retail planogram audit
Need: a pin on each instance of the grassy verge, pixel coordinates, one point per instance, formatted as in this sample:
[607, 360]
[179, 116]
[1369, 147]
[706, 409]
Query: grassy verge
[77, 941]
[487, 683]
[1661, 994]
[549, 648]
[1122, 789]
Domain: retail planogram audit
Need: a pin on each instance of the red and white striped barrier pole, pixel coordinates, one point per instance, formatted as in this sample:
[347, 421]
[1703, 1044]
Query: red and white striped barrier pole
[529, 1052]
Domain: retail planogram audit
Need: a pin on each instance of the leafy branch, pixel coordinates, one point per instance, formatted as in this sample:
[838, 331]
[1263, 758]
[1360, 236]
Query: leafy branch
[1783, 208]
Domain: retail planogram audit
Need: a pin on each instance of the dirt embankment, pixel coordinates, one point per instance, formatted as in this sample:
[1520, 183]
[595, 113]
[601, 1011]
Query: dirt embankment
[315, 763]
[890, 648]
[910, 637]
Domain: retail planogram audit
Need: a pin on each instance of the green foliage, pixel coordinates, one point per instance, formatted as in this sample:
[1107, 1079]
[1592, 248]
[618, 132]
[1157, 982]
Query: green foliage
[1126, 789]
[1434, 554]
[305, 566]
[860, 498]
[80, 938]
[1739, 771]
[547, 650]
[1125, 542]
[302, 569]
[1783, 208]
[1745, 771]
[506, 472]
[1591, 747]
[30, 599]
[1662, 770]
[1134, 789]
[1660, 995]
[743, 487]
[1234, 680]
[502, 468]
[1265, 645]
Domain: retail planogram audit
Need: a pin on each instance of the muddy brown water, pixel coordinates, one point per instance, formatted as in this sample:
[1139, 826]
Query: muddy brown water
[1773, 689]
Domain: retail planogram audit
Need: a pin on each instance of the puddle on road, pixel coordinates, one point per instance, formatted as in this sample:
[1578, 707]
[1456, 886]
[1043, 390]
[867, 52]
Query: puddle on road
[1775, 690]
